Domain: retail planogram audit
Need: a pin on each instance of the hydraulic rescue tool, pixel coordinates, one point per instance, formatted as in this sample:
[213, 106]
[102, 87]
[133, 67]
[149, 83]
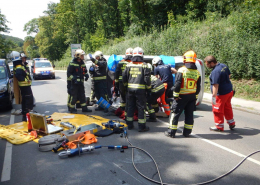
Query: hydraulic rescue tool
[63, 144]
[67, 125]
[78, 151]
[112, 124]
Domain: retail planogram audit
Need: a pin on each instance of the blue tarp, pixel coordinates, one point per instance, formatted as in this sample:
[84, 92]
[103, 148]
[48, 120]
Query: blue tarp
[168, 60]
[113, 61]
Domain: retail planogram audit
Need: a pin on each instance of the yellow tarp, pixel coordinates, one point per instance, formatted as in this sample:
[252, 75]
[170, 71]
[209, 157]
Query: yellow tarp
[17, 133]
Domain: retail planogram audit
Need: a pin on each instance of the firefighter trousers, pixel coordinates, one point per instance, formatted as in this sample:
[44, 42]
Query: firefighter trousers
[122, 91]
[100, 87]
[186, 103]
[136, 98]
[77, 92]
[152, 100]
[92, 93]
[27, 99]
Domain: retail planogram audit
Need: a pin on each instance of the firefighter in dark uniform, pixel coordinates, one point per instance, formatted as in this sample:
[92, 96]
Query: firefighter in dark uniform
[137, 79]
[92, 100]
[157, 90]
[22, 73]
[69, 94]
[187, 88]
[99, 72]
[76, 73]
[164, 72]
[119, 86]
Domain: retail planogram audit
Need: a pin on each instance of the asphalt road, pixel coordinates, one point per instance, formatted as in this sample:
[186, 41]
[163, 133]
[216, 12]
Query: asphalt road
[202, 157]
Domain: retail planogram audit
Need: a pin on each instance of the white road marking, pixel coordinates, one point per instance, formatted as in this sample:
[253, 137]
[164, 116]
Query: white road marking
[63, 80]
[6, 172]
[218, 145]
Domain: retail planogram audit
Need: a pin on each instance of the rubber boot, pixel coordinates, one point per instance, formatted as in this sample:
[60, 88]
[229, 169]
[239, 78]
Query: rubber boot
[78, 105]
[73, 110]
[68, 108]
[170, 133]
[85, 109]
[130, 125]
[142, 127]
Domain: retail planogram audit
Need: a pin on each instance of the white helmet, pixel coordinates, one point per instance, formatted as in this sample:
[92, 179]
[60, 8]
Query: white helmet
[156, 60]
[78, 53]
[129, 51]
[138, 52]
[23, 55]
[98, 54]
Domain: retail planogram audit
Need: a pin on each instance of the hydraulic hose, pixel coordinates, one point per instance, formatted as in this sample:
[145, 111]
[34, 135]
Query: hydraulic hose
[162, 183]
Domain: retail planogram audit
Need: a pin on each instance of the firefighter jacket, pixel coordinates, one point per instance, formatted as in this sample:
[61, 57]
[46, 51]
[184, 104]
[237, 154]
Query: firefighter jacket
[22, 73]
[76, 71]
[99, 71]
[187, 80]
[156, 84]
[137, 77]
[120, 69]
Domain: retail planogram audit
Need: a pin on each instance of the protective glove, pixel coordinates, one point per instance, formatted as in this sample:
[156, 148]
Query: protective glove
[214, 100]
[91, 69]
[86, 77]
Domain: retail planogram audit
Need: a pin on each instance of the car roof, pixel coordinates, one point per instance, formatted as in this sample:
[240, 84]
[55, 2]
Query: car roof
[2, 62]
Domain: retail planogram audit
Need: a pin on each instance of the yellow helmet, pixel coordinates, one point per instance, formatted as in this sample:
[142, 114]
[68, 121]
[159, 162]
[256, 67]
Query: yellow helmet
[189, 56]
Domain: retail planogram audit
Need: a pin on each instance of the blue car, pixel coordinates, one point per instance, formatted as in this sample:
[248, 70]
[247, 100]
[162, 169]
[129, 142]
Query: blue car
[6, 86]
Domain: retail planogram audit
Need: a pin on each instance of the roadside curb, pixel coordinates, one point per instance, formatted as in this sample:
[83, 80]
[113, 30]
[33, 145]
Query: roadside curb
[237, 107]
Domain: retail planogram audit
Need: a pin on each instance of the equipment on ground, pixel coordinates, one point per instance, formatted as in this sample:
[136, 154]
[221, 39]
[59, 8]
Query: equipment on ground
[67, 125]
[112, 124]
[39, 123]
[47, 143]
[93, 128]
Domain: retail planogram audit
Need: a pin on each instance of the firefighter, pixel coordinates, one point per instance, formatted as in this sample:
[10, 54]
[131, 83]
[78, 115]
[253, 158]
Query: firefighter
[187, 88]
[137, 79]
[76, 73]
[222, 93]
[164, 72]
[22, 73]
[119, 87]
[157, 90]
[99, 72]
[69, 94]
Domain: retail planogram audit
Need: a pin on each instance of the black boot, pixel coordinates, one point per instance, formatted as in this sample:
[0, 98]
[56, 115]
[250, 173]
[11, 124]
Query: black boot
[142, 127]
[73, 110]
[78, 105]
[85, 109]
[130, 125]
[170, 133]
[68, 108]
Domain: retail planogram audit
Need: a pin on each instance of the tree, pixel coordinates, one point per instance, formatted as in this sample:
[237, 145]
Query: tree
[31, 26]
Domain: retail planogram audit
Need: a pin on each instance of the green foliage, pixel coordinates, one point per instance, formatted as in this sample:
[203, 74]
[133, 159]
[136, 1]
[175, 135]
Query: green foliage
[31, 26]
[19, 42]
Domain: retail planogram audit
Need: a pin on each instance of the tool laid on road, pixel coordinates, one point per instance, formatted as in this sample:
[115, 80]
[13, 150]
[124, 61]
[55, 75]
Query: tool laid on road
[112, 124]
[78, 151]
[63, 144]
[67, 125]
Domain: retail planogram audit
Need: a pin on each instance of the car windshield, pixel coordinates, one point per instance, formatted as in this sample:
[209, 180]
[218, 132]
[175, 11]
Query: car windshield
[42, 64]
[2, 72]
